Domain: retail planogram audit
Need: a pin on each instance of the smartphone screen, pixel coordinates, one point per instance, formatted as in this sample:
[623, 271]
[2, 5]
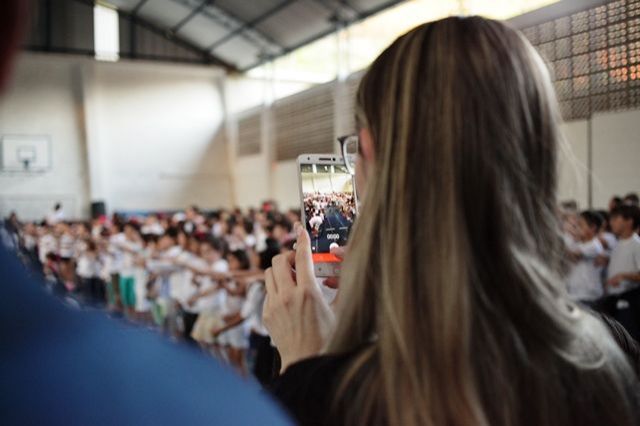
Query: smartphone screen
[329, 202]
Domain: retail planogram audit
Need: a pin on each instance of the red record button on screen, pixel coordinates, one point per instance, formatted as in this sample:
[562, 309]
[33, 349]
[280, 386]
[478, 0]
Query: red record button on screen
[325, 258]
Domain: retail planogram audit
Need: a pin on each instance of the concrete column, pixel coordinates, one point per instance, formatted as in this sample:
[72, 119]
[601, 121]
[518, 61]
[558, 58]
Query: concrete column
[95, 146]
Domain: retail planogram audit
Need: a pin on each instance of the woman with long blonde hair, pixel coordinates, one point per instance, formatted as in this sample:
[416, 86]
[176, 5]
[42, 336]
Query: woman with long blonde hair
[452, 309]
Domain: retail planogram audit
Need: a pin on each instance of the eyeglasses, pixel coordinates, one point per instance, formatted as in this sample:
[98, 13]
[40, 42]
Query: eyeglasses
[349, 147]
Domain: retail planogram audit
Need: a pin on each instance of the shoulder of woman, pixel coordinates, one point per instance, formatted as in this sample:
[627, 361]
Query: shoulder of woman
[623, 340]
[306, 388]
[312, 371]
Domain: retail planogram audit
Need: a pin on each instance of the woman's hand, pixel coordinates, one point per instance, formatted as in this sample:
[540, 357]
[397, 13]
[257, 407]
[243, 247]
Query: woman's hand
[295, 313]
[334, 282]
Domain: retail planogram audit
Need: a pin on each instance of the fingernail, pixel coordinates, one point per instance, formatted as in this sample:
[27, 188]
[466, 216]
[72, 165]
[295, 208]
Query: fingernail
[298, 230]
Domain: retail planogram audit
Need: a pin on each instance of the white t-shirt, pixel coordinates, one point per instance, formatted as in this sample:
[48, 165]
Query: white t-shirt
[179, 217]
[96, 231]
[235, 243]
[611, 241]
[164, 263]
[164, 266]
[54, 217]
[252, 308]
[30, 242]
[261, 238]
[172, 252]
[569, 241]
[216, 301]
[115, 250]
[124, 253]
[216, 230]
[66, 246]
[154, 228]
[88, 266]
[625, 258]
[584, 280]
[315, 222]
[250, 241]
[184, 287]
[189, 227]
[106, 266]
[48, 244]
[140, 278]
[180, 281]
[232, 303]
[129, 255]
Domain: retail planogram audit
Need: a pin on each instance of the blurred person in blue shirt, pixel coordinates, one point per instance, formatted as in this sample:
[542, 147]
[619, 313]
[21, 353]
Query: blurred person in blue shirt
[60, 366]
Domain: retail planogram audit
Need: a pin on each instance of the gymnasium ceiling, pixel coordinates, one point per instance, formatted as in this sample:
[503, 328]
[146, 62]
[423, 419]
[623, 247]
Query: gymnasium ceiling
[245, 33]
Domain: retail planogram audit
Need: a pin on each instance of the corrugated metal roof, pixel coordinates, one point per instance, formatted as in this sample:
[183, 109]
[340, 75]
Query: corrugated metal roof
[244, 33]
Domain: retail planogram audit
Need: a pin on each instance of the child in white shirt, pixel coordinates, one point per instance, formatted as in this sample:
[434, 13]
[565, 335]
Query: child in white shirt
[624, 266]
[160, 267]
[235, 339]
[623, 275]
[184, 285]
[208, 297]
[129, 243]
[584, 281]
[88, 271]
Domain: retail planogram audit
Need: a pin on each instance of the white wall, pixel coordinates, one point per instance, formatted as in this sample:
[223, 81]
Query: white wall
[158, 125]
[616, 163]
[257, 178]
[616, 155]
[155, 133]
[156, 140]
[243, 93]
[615, 158]
[138, 136]
[286, 190]
[252, 180]
[44, 99]
[573, 164]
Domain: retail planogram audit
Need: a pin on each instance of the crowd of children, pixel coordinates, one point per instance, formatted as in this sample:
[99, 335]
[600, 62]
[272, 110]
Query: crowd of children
[603, 253]
[197, 277]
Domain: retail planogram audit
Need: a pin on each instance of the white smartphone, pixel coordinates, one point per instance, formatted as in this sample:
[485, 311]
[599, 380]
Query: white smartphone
[329, 207]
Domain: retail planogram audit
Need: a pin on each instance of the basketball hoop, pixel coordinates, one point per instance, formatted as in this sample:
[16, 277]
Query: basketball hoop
[26, 155]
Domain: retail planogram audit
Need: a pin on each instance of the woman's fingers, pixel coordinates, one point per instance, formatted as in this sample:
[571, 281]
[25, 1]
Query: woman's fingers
[303, 257]
[270, 282]
[282, 271]
[269, 285]
[332, 282]
[338, 252]
[291, 258]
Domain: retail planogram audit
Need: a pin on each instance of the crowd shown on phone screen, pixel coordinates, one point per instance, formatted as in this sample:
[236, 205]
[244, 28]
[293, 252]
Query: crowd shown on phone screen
[317, 206]
[198, 276]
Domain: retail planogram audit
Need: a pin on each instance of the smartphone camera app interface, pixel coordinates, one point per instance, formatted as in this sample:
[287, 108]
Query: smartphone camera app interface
[329, 207]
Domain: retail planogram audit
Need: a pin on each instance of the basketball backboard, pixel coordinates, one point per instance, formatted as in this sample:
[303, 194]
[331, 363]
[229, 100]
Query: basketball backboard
[25, 153]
